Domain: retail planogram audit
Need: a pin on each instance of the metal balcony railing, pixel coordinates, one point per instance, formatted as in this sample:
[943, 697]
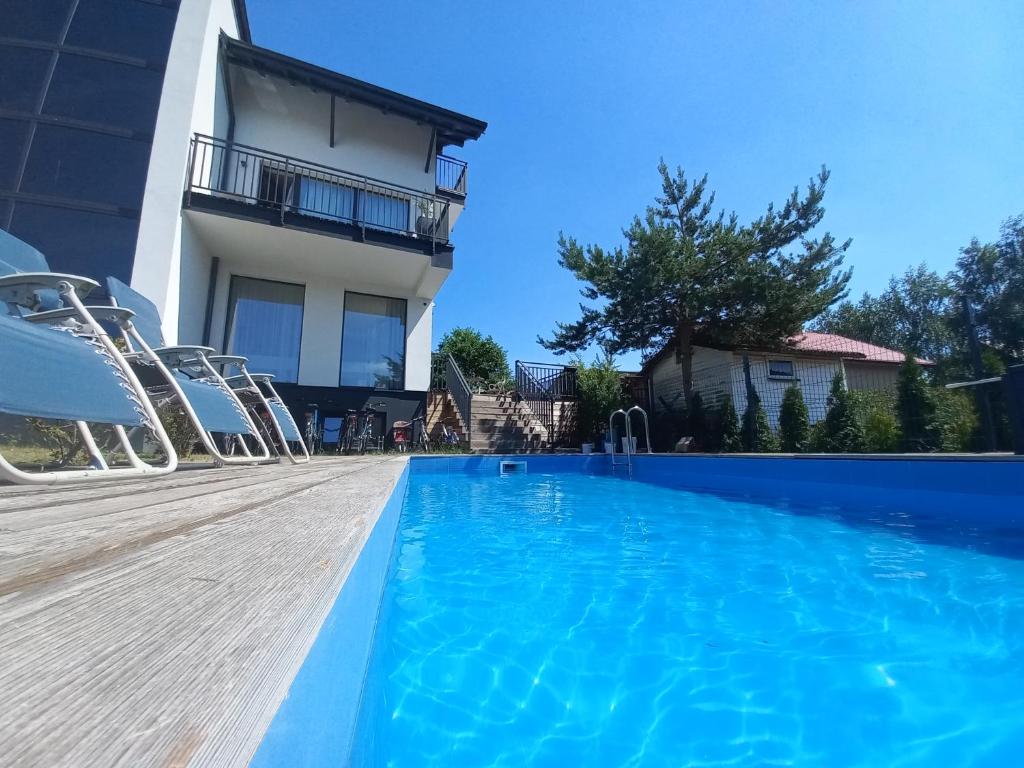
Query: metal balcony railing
[287, 185]
[451, 175]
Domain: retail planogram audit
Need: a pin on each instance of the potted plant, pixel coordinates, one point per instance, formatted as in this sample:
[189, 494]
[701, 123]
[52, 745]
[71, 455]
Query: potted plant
[425, 221]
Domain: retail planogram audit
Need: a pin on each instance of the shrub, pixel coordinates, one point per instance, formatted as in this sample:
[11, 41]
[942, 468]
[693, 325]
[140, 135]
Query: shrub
[915, 406]
[794, 422]
[179, 428]
[599, 389]
[876, 411]
[728, 428]
[842, 431]
[757, 435]
[957, 419]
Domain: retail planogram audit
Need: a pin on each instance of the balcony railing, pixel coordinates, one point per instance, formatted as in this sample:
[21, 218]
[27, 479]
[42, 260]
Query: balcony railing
[286, 185]
[451, 175]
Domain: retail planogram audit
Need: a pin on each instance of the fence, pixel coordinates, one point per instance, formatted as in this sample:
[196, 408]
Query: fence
[824, 393]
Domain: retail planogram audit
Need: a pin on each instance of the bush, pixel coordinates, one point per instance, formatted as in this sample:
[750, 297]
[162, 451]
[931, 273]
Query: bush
[728, 428]
[957, 419]
[915, 406]
[179, 428]
[599, 388]
[794, 421]
[876, 411]
[842, 431]
[480, 357]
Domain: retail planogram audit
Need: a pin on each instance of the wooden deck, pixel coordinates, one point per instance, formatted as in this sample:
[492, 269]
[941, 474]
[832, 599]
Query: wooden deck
[159, 622]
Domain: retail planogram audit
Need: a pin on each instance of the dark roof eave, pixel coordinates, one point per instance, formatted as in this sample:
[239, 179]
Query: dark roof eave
[452, 127]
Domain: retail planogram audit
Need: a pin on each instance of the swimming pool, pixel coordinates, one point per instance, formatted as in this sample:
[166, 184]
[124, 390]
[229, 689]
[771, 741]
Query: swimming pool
[573, 618]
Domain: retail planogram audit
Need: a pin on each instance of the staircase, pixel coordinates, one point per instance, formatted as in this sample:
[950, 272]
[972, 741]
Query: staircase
[441, 409]
[501, 424]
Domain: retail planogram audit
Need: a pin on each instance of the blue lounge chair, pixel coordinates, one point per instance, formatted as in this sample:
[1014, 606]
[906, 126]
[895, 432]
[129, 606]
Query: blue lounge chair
[186, 378]
[57, 362]
[257, 391]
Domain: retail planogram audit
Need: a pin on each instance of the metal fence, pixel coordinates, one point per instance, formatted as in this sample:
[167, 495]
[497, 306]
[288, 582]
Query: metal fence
[285, 184]
[450, 174]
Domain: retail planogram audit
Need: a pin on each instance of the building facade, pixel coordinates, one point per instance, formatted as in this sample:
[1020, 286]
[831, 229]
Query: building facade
[269, 207]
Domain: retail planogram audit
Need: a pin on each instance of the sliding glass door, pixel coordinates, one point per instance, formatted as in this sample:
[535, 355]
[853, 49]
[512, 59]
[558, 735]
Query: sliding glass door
[373, 342]
[265, 325]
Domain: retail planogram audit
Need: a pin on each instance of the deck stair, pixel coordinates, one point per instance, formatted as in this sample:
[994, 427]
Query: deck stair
[503, 424]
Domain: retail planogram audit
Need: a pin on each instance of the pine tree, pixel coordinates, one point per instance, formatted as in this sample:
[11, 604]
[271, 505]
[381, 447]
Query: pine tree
[756, 433]
[916, 408]
[843, 430]
[794, 422]
[729, 430]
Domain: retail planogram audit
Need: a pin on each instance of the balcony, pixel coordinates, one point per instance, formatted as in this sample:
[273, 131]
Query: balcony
[247, 182]
[451, 176]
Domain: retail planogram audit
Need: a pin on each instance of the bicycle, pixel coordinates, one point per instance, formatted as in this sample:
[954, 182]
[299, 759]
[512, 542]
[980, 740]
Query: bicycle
[313, 437]
[421, 441]
[359, 429]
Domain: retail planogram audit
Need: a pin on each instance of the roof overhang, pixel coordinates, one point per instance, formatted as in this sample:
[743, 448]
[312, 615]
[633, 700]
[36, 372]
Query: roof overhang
[452, 127]
[242, 19]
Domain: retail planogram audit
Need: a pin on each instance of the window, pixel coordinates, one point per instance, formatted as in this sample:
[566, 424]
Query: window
[382, 211]
[265, 325]
[780, 369]
[326, 199]
[373, 342]
[139, 29]
[24, 73]
[12, 138]
[34, 21]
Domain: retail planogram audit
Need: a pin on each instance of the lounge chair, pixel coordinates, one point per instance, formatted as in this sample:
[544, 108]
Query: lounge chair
[59, 363]
[257, 391]
[183, 375]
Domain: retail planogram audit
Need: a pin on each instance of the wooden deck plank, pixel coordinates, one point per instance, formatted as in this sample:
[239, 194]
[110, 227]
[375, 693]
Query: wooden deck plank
[175, 647]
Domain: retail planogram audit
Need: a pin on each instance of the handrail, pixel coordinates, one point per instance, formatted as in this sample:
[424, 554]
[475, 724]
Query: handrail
[450, 174]
[461, 395]
[539, 400]
[276, 181]
[627, 447]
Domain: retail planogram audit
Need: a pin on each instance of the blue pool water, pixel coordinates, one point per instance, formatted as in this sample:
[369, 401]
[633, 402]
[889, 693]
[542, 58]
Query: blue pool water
[568, 620]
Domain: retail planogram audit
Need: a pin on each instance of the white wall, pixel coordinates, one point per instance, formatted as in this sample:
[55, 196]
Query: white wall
[716, 372]
[871, 376]
[192, 100]
[272, 115]
[323, 313]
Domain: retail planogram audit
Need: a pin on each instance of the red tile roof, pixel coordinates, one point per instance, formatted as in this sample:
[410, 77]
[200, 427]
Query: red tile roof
[811, 341]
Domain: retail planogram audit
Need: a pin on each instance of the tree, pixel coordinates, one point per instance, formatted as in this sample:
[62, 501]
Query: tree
[843, 432]
[916, 409]
[729, 428]
[991, 278]
[794, 421]
[684, 272]
[697, 422]
[913, 313]
[599, 388]
[480, 357]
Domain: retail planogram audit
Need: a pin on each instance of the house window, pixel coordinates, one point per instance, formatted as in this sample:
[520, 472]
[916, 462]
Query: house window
[265, 325]
[373, 342]
[781, 369]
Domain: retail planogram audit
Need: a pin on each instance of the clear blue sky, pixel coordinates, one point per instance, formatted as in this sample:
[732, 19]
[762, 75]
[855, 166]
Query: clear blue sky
[917, 108]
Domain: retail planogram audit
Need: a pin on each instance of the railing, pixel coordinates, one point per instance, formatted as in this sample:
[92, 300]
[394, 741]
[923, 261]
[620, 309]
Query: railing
[540, 385]
[461, 395]
[287, 185]
[451, 174]
[438, 377]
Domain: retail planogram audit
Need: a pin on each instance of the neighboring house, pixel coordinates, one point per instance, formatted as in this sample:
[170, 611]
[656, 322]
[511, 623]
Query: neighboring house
[809, 360]
[271, 208]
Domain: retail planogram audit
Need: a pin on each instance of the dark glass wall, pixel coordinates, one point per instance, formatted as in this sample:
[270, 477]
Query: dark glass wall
[80, 84]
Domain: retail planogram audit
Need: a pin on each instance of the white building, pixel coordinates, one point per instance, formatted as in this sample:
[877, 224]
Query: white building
[298, 216]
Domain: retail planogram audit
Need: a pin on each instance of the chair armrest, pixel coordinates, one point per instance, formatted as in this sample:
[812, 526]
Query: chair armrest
[180, 355]
[119, 315]
[227, 359]
[19, 288]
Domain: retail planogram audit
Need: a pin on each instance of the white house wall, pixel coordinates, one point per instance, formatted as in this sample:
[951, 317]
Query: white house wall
[322, 316]
[871, 376]
[192, 101]
[716, 372]
[272, 115]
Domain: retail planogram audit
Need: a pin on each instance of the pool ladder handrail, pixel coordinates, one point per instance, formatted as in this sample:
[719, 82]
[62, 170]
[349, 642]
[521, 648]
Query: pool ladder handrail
[628, 446]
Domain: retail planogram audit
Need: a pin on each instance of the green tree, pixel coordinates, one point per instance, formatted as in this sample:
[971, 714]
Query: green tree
[794, 421]
[913, 313]
[842, 431]
[957, 418]
[728, 428]
[599, 389]
[480, 357]
[877, 412]
[755, 432]
[685, 271]
[915, 406]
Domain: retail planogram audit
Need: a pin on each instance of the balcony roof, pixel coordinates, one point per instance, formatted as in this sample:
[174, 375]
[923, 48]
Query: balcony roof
[452, 127]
